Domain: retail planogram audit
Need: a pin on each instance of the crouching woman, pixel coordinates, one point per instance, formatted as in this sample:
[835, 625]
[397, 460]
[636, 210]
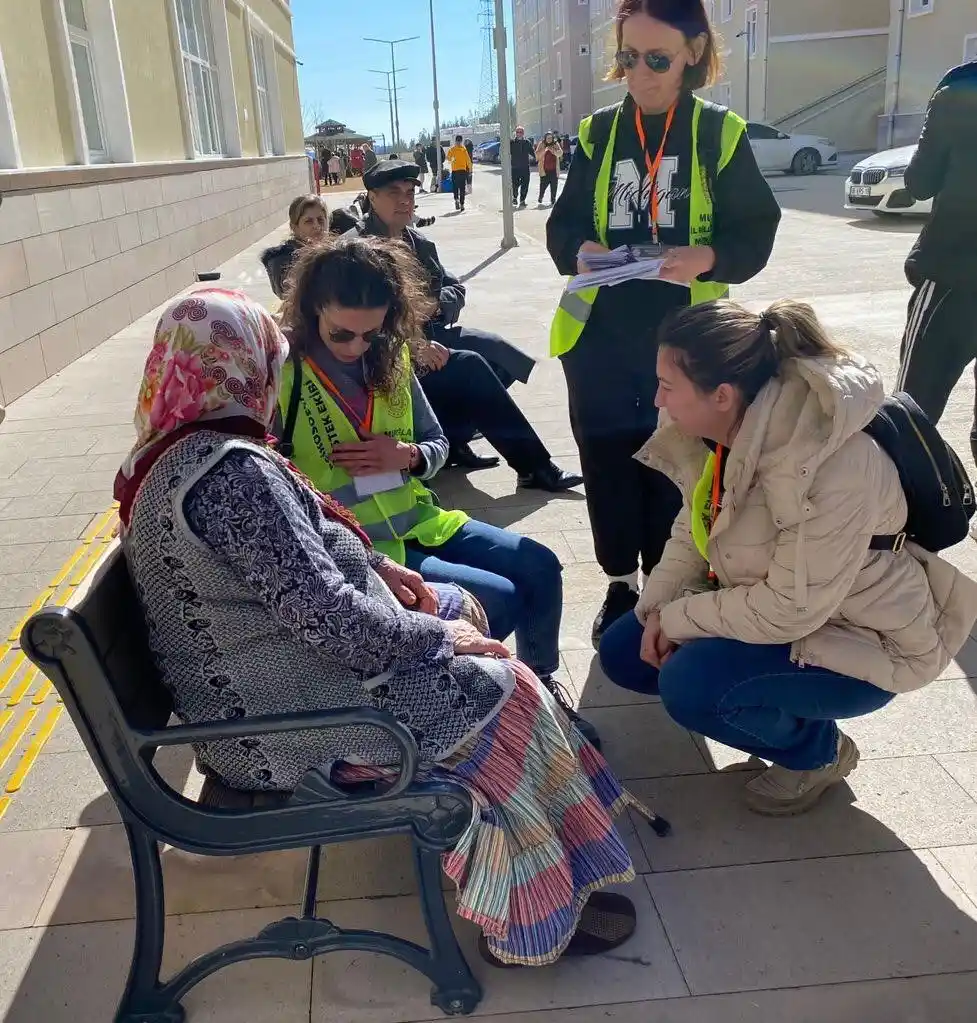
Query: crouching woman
[774, 613]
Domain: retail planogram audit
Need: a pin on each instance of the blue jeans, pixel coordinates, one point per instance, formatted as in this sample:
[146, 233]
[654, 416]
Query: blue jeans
[750, 697]
[518, 582]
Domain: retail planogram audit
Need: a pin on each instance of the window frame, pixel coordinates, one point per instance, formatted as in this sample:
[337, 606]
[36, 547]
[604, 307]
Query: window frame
[914, 10]
[263, 93]
[751, 22]
[970, 47]
[190, 61]
[727, 10]
[83, 38]
[557, 19]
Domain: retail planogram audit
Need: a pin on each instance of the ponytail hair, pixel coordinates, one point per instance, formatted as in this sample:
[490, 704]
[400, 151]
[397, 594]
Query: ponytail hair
[723, 343]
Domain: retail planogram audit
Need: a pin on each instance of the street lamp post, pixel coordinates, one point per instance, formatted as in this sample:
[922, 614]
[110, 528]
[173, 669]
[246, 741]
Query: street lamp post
[391, 99]
[505, 131]
[434, 74]
[393, 70]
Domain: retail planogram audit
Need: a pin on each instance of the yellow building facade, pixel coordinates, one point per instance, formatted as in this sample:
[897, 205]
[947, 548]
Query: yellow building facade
[141, 142]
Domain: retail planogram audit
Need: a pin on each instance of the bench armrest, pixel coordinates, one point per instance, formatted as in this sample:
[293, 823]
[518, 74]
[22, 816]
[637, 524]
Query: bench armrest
[270, 724]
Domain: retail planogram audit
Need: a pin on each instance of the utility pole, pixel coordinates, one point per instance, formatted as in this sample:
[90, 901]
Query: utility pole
[391, 98]
[505, 132]
[437, 111]
[393, 71]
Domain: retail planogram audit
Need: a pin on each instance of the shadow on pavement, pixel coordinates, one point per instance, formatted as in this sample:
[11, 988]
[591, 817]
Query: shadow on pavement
[484, 265]
[890, 223]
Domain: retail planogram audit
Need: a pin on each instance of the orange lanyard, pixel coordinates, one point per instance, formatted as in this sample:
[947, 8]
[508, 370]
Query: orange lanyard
[653, 166]
[715, 499]
[365, 423]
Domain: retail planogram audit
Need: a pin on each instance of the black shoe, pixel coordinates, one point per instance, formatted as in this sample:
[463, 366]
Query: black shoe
[550, 477]
[619, 601]
[584, 727]
[462, 456]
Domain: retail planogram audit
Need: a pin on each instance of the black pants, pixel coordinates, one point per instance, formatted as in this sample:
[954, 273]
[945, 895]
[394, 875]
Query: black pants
[520, 185]
[940, 339]
[467, 395]
[612, 414]
[459, 182]
[549, 181]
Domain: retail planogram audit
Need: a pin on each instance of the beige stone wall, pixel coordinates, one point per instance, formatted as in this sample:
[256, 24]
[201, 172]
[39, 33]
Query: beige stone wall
[79, 262]
[800, 17]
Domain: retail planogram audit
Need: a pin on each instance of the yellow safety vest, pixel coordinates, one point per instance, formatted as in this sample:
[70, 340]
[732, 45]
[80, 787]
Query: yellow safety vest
[393, 516]
[574, 308]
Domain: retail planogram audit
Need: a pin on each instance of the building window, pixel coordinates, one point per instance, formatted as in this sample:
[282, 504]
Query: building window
[921, 7]
[751, 31]
[710, 9]
[83, 63]
[724, 94]
[583, 50]
[557, 20]
[264, 97]
[969, 48]
[196, 44]
[727, 10]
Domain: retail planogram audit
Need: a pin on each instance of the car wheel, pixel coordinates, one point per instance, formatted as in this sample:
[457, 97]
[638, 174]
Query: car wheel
[807, 161]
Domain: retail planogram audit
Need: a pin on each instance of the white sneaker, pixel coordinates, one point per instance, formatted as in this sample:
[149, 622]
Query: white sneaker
[780, 792]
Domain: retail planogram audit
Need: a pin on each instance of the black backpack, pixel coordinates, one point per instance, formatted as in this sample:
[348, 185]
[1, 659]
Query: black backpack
[938, 491]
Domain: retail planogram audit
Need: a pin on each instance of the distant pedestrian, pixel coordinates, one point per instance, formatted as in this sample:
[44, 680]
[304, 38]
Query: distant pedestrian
[335, 169]
[421, 160]
[470, 146]
[356, 161]
[461, 169]
[548, 156]
[369, 157]
[434, 165]
[565, 146]
[521, 153]
[941, 331]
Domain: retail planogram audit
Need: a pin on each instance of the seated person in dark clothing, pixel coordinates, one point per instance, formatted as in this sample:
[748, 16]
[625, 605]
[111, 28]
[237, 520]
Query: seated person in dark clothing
[308, 219]
[465, 372]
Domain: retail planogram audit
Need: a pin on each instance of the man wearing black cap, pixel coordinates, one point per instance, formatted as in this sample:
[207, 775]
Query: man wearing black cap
[467, 370]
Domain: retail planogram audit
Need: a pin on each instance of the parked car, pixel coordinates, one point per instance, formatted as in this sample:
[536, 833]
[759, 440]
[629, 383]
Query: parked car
[488, 153]
[878, 184]
[777, 150]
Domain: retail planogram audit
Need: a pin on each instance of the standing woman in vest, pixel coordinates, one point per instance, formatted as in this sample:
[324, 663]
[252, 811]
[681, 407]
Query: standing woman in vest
[363, 432]
[716, 219]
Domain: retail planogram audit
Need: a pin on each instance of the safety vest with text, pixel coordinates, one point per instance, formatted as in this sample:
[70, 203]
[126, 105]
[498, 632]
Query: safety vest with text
[574, 308]
[391, 517]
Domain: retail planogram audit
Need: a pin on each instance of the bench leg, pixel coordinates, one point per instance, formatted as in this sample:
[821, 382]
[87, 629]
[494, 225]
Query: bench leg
[456, 991]
[141, 1002]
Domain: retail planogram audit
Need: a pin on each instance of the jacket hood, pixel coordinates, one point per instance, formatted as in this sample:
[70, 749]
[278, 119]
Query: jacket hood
[277, 251]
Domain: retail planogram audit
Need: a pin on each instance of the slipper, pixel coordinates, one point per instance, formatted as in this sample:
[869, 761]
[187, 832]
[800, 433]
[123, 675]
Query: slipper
[607, 921]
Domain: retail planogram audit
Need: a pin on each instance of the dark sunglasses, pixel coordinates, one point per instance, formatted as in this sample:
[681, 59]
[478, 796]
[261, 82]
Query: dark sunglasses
[346, 337]
[654, 61]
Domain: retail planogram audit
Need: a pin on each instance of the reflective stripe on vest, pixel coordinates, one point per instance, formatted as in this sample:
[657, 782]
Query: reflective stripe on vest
[574, 309]
[391, 517]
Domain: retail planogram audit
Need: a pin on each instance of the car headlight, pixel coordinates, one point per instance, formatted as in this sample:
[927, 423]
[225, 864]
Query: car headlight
[825, 142]
[898, 172]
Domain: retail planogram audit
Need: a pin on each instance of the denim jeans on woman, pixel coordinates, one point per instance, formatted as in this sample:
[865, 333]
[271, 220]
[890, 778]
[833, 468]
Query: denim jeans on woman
[518, 582]
[750, 697]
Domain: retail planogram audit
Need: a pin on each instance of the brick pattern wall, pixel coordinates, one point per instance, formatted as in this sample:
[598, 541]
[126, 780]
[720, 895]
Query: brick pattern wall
[79, 263]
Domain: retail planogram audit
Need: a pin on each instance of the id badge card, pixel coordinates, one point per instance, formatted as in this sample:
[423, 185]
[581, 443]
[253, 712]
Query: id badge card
[648, 250]
[377, 483]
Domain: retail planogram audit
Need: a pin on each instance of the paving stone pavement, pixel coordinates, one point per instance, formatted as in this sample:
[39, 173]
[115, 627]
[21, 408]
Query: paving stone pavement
[863, 911]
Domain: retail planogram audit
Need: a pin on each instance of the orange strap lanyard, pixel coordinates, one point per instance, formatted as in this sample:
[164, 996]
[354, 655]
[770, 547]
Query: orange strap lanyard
[653, 166]
[364, 423]
[715, 499]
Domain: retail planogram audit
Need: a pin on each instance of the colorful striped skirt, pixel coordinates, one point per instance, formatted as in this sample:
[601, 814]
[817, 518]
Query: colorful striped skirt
[542, 839]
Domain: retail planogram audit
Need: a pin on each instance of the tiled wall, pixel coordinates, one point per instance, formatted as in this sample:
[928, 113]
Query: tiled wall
[79, 263]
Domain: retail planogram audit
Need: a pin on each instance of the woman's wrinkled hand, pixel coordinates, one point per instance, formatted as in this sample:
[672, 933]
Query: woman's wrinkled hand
[588, 247]
[409, 587]
[684, 263]
[656, 647]
[468, 640]
[431, 355]
[375, 453]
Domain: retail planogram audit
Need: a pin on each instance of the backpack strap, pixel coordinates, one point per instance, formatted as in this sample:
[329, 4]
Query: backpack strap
[711, 118]
[285, 445]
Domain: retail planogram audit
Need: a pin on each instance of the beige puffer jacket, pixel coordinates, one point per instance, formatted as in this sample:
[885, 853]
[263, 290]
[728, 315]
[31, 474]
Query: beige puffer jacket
[805, 490]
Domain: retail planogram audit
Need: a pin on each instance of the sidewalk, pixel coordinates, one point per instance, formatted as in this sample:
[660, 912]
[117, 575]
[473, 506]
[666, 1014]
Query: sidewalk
[864, 911]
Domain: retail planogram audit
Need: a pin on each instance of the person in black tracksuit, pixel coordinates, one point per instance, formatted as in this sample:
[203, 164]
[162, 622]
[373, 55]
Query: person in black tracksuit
[610, 372]
[941, 330]
[521, 152]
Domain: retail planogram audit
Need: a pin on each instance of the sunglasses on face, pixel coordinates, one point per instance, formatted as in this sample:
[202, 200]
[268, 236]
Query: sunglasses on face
[341, 336]
[654, 60]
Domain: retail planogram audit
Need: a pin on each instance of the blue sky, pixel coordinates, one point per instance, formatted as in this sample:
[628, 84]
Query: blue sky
[335, 79]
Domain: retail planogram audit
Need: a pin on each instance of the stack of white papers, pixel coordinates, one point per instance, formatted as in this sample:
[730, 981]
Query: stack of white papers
[625, 263]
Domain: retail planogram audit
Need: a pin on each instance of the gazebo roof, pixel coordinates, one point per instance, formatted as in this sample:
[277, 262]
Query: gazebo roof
[343, 138]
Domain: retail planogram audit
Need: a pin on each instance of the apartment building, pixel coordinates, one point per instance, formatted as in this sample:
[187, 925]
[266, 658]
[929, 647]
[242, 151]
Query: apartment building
[552, 41]
[141, 141]
[926, 37]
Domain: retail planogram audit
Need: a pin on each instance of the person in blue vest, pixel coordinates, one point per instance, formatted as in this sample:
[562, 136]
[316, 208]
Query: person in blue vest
[361, 428]
[710, 214]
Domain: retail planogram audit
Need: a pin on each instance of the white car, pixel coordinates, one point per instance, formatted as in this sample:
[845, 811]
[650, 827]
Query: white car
[878, 184]
[777, 150]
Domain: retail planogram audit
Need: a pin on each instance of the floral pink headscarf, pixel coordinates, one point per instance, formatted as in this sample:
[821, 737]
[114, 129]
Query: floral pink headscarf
[216, 355]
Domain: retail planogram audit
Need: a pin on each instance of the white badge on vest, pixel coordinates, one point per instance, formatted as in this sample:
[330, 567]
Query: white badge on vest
[377, 483]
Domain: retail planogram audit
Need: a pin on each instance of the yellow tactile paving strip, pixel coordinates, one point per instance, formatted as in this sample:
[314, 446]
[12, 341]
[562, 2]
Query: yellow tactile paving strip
[29, 706]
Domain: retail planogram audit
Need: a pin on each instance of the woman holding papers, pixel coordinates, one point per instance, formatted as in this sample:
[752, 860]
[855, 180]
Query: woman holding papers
[713, 217]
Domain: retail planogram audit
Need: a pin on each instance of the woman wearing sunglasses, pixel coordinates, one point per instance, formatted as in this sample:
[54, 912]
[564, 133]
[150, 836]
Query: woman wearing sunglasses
[362, 430]
[662, 169]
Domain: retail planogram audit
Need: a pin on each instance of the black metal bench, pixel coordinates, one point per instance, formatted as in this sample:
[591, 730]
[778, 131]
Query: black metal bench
[96, 654]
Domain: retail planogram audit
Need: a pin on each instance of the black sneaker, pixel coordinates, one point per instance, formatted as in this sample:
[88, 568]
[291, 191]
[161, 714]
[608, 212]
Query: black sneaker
[619, 601]
[583, 726]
